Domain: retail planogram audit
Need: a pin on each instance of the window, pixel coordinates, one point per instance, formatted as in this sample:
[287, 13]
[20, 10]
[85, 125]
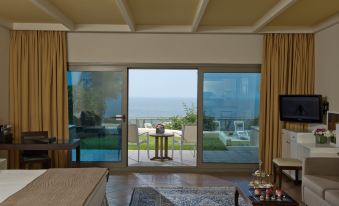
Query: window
[230, 117]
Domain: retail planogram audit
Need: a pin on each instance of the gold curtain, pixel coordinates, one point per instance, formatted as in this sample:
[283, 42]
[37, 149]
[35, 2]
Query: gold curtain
[288, 68]
[38, 87]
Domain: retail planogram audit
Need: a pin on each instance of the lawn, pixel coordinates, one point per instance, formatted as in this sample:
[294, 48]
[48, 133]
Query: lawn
[210, 142]
[111, 142]
[106, 142]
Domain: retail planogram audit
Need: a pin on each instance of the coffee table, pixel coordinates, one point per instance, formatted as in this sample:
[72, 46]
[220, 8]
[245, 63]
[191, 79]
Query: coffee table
[286, 200]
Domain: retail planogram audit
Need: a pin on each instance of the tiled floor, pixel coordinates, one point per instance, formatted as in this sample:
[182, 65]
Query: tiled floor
[233, 154]
[120, 186]
[188, 159]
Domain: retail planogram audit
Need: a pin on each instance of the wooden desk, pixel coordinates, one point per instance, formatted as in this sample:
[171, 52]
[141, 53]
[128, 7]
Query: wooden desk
[163, 146]
[69, 146]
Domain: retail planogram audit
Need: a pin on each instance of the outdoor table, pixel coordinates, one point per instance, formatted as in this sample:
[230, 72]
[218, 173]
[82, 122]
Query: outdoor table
[163, 146]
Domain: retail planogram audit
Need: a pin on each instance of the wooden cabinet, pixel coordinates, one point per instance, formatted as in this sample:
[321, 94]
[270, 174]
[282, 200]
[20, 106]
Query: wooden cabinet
[292, 147]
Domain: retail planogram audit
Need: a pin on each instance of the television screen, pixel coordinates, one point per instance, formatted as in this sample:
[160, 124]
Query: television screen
[301, 108]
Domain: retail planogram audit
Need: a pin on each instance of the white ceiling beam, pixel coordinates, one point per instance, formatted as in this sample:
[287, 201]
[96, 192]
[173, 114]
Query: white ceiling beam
[126, 13]
[6, 23]
[327, 23]
[199, 14]
[280, 7]
[54, 12]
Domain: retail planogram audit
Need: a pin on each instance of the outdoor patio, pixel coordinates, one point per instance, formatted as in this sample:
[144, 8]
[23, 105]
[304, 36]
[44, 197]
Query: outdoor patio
[218, 147]
[187, 159]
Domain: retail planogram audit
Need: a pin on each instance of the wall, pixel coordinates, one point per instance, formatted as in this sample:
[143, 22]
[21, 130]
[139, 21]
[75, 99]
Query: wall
[165, 48]
[4, 75]
[327, 65]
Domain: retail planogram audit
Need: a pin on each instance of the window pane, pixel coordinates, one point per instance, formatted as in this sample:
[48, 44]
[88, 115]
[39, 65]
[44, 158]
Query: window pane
[231, 115]
[94, 98]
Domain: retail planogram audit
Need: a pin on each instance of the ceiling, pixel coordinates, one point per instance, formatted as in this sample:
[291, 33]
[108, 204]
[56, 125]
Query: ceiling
[197, 16]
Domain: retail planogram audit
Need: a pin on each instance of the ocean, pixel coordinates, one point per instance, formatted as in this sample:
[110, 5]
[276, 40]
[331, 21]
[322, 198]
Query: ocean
[159, 107]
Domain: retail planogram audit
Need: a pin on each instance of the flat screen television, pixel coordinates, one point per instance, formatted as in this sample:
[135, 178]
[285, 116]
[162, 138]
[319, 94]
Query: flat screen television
[301, 108]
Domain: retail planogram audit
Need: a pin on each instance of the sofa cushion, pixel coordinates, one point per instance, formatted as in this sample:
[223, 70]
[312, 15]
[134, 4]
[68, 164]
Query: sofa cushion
[319, 184]
[332, 197]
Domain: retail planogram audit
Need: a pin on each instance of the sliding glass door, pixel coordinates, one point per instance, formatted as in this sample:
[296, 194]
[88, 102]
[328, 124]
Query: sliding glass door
[96, 112]
[230, 115]
[226, 117]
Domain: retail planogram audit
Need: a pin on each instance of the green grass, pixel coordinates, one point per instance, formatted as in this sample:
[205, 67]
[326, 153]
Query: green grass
[210, 142]
[106, 142]
[240, 143]
[133, 146]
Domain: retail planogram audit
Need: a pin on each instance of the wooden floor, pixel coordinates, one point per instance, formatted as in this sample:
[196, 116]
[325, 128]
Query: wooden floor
[120, 186]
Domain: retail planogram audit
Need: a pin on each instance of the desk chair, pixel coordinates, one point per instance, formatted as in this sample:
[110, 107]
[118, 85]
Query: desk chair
[33, 156]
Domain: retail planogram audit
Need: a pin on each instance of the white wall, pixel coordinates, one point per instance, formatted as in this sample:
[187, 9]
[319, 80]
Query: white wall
[327, 65]
[165, 48]
[4, 75]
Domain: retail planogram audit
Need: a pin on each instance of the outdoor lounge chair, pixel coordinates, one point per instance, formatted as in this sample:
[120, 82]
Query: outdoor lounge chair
[239, 128]
[148, 125]
[134, 137]
[188, 136]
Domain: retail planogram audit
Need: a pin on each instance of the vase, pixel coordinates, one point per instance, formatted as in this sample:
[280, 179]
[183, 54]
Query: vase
[333, 140]
[321, 139]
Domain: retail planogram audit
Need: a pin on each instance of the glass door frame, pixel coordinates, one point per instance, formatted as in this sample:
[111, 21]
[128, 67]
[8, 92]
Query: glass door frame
[200, 165]
[250, 68]
[95, 67]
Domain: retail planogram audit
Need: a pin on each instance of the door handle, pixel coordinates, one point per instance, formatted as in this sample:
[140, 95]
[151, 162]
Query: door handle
[120, 117]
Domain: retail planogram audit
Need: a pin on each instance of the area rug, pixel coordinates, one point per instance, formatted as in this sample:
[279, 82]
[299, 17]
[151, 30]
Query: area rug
[185, 196]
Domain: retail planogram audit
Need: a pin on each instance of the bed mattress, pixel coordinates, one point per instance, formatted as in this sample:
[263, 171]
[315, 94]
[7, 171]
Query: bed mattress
[14, 181]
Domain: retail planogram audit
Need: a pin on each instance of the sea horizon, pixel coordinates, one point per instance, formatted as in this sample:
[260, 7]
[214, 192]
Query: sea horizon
[159, 106]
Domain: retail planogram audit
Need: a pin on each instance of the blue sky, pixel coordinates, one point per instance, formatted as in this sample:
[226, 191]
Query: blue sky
[163, 83]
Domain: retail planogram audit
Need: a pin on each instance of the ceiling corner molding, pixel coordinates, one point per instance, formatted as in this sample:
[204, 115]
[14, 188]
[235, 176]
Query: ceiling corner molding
[40, 26]
[280, 7]
[163, 28]
[118, 28]
[201, 9]
[225, 29]
[286, 29]
[54, 12]
[6, 23]
[126, 14]
[327, 23]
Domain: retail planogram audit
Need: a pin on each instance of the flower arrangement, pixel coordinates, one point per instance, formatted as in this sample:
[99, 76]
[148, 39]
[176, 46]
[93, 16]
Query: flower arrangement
[160, 129]
[324, 136]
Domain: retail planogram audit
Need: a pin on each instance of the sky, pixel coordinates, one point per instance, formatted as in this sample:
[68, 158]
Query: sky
[162, 83]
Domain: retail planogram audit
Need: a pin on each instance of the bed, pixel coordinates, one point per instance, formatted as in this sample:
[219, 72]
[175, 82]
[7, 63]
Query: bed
[73, 186]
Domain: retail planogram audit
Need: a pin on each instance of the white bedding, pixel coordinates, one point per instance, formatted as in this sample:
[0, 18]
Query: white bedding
[12, 181]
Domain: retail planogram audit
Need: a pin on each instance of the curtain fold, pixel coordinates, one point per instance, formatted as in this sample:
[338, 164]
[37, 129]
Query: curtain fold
[38, 87]
[287, 68]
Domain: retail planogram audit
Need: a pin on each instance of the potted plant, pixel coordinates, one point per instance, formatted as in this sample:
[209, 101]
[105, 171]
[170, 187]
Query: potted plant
[323, 136]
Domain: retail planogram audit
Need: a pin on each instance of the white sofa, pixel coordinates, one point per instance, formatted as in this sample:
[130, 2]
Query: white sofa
[320, 181]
